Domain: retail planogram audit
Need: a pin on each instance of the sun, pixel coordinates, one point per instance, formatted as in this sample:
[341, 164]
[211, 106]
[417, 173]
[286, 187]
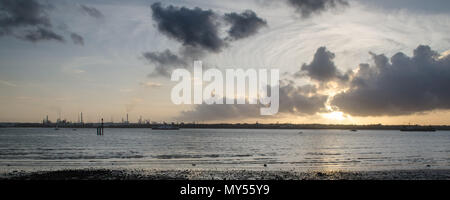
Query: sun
[335, 116]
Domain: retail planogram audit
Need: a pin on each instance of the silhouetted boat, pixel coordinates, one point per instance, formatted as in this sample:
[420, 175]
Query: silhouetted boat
[165, 127]
[353, 130]
[418, 129]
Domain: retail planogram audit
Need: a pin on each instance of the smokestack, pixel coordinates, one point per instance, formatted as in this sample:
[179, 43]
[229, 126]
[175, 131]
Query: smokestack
[127, 119]
[81, 117]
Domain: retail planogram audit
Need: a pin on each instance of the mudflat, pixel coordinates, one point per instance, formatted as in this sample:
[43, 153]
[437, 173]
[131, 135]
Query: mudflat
[200, 174]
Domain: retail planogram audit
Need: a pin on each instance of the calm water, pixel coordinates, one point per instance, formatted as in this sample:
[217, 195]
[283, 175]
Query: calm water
[43, 149]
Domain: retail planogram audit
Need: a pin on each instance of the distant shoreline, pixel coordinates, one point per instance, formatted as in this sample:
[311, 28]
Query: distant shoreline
[223, 126]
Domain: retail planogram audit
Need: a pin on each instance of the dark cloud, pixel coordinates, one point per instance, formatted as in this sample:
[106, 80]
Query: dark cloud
[244, 25]
[302, 100]
[198, 32]
[308, 7]
[77, 39]
[91, 11]
[42, 34]
[399, 86]
[16, 13]
[192, 27]
[164, 62]
[27, 20]
[322, 67]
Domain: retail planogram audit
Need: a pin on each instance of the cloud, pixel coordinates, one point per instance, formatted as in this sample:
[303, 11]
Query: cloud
[15, 13]
[42, 34]
[77, 39]
[91, 11]
[400, 86]
[192, 27]
[308, 7]
[7, 83]
[244, 25]
[164, 62]
[302, 100]
[198, 32]
[322, 67]
[28, 20]
[150, 84]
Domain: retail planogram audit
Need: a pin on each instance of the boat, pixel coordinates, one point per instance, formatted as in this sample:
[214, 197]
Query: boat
[165, 127]
[418, 129]
[353, 130]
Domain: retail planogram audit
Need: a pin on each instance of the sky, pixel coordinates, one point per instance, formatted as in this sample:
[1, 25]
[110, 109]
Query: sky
[340, 61]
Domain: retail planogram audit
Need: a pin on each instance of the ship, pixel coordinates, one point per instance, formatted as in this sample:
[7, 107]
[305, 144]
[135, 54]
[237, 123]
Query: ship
[165, 127]
[418, 129]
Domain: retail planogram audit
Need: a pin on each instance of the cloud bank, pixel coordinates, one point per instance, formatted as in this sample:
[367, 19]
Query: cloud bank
[400, 85]
[302, 100]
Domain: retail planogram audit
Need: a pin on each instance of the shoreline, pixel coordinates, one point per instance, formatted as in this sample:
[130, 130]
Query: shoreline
[199, 174]
[268, 126]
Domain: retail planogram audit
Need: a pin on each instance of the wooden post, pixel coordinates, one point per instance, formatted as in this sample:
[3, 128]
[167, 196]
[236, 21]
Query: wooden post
[100, 129]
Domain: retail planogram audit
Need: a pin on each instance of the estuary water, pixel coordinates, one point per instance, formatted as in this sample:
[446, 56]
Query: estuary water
[33, 149]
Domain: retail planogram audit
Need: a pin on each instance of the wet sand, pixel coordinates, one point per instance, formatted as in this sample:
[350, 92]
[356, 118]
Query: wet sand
[192, 174]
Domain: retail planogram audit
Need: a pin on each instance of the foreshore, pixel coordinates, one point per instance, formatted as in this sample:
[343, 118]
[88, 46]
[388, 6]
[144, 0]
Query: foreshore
[200, 174]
